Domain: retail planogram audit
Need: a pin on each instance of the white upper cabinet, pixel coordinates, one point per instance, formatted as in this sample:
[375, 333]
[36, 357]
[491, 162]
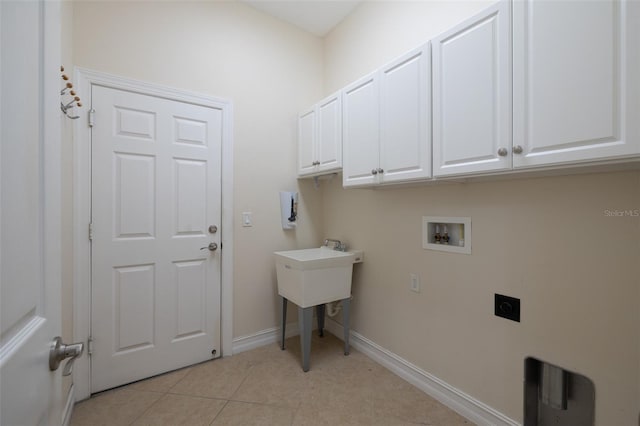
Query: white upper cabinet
[361, 131]
[576, 81]
[405, 109]
[524, 84]
[472, 95]
[386, 121]
[330, 133]
[320, 138]
[307, 141]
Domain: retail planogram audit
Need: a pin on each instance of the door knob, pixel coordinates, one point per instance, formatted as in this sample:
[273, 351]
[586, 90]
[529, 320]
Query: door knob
[211, 247]
[59, 352]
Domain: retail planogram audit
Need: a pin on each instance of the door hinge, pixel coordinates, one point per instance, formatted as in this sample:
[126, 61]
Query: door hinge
[92, 113]
[90, 231]
[90, 346]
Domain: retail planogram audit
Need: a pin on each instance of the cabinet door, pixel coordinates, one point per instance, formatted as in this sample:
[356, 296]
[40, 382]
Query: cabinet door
[330, 133]
[405, 134]
[574, 63]
[360, 132]
[307, 142]
[472, 95]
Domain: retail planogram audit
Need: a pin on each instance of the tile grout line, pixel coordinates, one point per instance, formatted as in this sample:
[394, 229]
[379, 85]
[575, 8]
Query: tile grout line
[219, 412]
[244, 379]
[148, 408]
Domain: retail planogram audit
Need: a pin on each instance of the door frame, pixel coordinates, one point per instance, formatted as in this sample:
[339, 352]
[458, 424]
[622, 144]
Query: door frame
[85, 78]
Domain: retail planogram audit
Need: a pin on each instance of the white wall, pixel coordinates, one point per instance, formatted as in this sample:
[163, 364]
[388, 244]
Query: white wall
[547, 241]
[379, 31]
[270, 71]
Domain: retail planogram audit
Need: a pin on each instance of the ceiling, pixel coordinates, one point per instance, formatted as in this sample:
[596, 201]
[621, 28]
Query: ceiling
[315, 16]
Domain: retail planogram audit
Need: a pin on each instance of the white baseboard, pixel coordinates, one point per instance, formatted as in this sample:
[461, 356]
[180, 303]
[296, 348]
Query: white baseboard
[264, 337]
[458, 401]
[68, 408]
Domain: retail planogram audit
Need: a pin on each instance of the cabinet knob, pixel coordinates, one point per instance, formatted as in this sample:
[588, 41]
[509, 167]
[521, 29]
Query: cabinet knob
[374, 172]
[380, 170]
[517, 149]
[315, 163]
[502, 152]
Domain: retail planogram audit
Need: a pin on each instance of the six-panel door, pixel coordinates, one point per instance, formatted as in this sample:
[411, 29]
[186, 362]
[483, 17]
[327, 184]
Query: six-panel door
[155, 192]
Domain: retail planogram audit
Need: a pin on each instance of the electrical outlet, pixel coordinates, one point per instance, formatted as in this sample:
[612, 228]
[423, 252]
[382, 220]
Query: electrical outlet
[507, 307]
[414, 283]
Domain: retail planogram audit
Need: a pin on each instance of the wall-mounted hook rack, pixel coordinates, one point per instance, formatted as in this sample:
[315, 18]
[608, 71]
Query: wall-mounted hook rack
[68, 90]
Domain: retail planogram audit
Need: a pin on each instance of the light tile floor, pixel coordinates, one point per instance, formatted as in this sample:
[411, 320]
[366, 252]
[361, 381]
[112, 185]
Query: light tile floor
[266, 386]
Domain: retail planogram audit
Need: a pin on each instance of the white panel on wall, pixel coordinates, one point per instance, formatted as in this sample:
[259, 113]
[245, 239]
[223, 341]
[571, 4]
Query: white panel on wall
[134, 291]
[190, 196]
[135, 124]
[190, 280]
[190, 131]
[134, 202]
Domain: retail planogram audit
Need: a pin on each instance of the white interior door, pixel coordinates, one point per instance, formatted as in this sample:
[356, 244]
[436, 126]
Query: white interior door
[30, 394]
[156, 185]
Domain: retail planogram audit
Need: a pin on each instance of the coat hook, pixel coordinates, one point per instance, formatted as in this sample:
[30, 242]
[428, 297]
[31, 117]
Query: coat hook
[64, 107]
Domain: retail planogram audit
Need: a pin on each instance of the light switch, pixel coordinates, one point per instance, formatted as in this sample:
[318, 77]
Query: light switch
[246, 219]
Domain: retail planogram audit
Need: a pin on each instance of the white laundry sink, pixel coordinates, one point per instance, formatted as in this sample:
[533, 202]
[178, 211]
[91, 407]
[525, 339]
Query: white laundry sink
[311, 277]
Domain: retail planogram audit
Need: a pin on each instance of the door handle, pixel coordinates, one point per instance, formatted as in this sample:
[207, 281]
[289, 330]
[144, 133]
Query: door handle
[211, 247]
[60, 351]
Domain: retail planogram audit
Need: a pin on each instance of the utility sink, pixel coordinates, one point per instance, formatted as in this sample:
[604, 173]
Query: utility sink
[311, 277]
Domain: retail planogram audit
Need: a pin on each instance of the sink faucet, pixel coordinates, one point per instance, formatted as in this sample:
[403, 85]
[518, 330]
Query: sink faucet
[337, 244]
